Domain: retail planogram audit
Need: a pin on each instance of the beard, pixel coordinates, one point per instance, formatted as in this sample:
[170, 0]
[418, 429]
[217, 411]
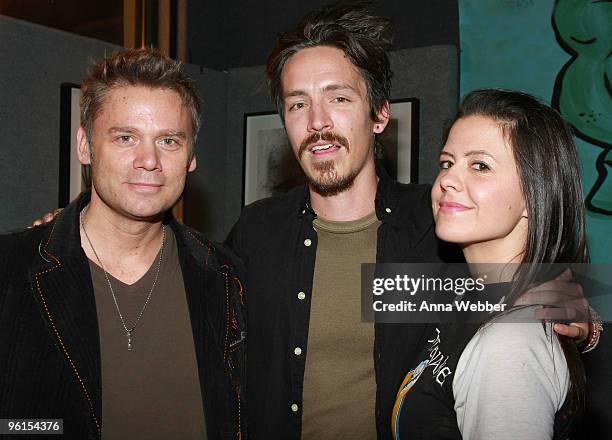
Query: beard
[327, 182]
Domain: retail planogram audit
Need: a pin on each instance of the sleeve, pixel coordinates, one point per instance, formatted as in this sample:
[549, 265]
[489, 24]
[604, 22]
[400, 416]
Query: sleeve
[510, 381]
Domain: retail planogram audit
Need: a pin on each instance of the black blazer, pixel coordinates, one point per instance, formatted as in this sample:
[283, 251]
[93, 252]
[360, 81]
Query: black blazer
[49, 340]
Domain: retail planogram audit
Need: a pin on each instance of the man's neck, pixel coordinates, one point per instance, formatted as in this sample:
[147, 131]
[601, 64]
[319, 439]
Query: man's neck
[351, 204]
[125, 248]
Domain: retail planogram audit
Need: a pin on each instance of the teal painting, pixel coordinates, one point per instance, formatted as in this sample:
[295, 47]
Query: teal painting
[561, 52]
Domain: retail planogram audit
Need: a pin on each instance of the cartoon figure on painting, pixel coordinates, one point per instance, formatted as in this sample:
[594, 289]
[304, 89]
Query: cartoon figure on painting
[583, 89]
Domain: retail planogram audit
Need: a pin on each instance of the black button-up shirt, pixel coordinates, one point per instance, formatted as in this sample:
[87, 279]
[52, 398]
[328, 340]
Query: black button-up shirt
[277, 242]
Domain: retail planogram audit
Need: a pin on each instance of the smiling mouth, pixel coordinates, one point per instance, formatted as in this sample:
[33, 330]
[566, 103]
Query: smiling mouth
[449, 207]
[323, 143]
[145, 187]
[324, 149]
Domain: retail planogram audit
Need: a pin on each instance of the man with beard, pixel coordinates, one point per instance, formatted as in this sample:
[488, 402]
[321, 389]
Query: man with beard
[311, 372]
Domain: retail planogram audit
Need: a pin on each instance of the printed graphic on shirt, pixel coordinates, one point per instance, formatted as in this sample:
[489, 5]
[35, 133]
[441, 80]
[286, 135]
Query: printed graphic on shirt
[409, 381]
[437, 360]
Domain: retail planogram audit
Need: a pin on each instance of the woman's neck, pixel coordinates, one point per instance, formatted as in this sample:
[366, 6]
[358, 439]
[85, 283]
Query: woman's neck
[496, 260]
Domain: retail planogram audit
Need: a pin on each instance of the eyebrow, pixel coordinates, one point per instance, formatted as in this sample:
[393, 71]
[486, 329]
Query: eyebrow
[338, 86]
[328, 88]
[470, 153]
[175, 133]
[122, 130]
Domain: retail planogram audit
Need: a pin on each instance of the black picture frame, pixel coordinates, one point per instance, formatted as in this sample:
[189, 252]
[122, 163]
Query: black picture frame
[399, 143]
[71, 171]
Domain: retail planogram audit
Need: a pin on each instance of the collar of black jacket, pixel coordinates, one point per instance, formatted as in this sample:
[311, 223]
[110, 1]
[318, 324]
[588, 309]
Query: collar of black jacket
[64, 238]
[387, 196]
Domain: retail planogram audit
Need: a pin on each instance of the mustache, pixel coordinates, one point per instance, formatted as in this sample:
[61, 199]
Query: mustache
[328, 136]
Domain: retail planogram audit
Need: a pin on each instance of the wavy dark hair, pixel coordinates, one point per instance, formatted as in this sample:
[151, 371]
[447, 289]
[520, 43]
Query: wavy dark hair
[351, 27]
[547, 161]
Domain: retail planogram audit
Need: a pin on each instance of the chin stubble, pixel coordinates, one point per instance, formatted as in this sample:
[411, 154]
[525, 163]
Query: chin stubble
[328, 182]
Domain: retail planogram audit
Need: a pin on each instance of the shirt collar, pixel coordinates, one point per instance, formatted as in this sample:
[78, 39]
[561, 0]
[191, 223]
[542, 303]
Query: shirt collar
[385, 203]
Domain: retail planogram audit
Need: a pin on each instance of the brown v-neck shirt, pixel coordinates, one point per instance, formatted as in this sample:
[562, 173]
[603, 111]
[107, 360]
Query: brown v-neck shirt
[153, 391]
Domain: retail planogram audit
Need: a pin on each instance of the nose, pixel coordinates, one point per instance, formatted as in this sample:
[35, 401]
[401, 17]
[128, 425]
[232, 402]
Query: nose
[450, 179]
[147, 157]
[319, 118]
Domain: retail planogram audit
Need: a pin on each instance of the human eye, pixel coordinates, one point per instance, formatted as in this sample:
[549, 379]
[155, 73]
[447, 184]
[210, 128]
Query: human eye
[296, 106]
[125, 140]
[341, 99]
[445, 164]
[170, 143]
[480, 166]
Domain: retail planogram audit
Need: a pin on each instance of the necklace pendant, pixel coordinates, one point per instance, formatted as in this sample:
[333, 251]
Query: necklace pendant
[110, 286]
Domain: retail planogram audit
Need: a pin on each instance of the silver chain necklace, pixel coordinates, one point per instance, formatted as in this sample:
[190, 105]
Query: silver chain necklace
[128, 330]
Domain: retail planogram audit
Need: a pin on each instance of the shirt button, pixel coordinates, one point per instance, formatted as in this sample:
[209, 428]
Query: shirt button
[297, 351]
[388, 210]
[301, 295]
[303, 211]
[294, 407]
[307, 242]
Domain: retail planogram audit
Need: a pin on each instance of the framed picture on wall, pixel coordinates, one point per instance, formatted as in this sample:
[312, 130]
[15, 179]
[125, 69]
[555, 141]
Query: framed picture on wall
[398, 145]
[72, 175]
[270, 168]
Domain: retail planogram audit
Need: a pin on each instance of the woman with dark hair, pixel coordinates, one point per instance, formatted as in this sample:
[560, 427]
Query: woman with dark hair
[509, 191]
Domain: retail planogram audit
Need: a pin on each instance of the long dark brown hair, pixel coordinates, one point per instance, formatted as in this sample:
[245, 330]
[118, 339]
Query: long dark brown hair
[551, 183]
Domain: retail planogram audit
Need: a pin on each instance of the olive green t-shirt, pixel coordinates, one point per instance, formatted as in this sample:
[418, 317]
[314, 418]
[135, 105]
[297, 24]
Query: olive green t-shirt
[153, 391]
[339, 382]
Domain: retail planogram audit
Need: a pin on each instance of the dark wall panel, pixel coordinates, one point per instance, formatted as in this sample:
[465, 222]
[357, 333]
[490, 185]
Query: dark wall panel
[36, 60]
[237, 33]
[430, 74]
[205, 193]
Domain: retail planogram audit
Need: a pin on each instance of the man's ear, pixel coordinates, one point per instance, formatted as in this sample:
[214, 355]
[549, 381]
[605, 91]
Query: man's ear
[83, 151]
[193, 164]
[383, 118]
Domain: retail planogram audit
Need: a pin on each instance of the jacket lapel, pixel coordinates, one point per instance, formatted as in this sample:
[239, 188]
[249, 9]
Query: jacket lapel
[192, 254]
[62, 287]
